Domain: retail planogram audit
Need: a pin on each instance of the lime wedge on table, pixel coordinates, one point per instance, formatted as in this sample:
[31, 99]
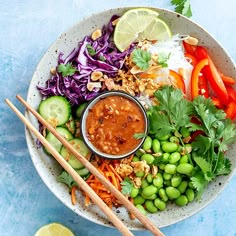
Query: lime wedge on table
[54, 229]
[137, 25]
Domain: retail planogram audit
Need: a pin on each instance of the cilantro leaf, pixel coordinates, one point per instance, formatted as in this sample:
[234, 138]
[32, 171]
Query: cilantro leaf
[126, 186]
[183, 7]
[162, 59]
[139, 135]
[203, 164]
[199, 182]
[171, 113]
[90, 49]
[66, 69]
[202, 144]
[141, 58]
[66, 178]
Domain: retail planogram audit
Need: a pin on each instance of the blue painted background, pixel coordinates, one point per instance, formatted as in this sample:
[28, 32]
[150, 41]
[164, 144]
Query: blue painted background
[28, 27]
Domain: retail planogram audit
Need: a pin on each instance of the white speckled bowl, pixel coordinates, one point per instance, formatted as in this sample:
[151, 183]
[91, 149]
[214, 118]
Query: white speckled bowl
[48, 169]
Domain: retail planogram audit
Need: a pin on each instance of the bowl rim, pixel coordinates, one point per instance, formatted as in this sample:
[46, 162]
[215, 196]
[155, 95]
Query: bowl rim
[92, 103]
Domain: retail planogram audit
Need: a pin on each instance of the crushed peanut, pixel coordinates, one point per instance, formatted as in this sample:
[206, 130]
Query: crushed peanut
[96, 34]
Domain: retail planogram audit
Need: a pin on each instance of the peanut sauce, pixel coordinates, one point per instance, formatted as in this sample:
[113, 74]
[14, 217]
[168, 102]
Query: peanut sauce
[111, 124]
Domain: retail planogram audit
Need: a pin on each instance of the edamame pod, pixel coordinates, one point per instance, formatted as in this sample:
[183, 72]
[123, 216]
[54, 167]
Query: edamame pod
[149, 190]
[147, 144]
[156, 146]
[169, 147]
[181, 200]
[161, 205]
[149, 158]
[184, 168]
[172, 192]
[150, 206]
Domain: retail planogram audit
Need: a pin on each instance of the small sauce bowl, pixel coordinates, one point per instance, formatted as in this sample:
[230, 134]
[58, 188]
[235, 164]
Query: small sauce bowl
[109, 123]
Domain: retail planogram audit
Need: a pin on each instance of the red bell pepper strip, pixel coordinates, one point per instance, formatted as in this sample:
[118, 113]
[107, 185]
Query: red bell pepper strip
[212, 75]
[189, 48]
[203, 88]
[231, 110]
[232, 93]
[216, 82]
[227, 80]
[178, 80]
[194, 85]
[190, 58]
[217, 102]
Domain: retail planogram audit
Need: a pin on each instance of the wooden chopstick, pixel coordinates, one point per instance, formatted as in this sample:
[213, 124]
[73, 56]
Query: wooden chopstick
[143, 219]
[81, 183]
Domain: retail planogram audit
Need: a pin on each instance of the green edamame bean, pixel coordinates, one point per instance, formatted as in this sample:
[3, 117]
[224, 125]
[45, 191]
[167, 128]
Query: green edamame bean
[150, 206]
[176, 180]
[156, 145]
[167, 176]
[169, 147]
[158, 180]
[140, 173]
[190, 194]
[160, 204]
[147, 144]
[184, 168]
[135, 159]
[172, 192]
[162, 194]
[165, 157]
[174, 157]
[149, 178]
[152, 197]
[182, 187]
[149, 158]
[162, 166]
[163, 138]
[183, 159]
[170, 169]
[141, 209]
[138, 200]
[149, 190]
[144, 183]
[174, 139]
[185, 132]
[134, 192]
[181, 200]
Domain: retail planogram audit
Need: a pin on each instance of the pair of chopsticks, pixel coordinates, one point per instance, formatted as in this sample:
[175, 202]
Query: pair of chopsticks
[81, 183]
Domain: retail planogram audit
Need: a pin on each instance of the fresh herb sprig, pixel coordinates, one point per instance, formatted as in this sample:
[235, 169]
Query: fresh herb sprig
[141, 58]
[208, 156]
[183, 7]
[66, 69]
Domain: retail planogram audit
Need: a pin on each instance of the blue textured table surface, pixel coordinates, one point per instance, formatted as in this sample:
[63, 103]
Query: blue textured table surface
[27, 29]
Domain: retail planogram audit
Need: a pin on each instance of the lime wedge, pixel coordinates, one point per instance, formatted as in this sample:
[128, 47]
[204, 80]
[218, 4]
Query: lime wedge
[54, 229]
[137, 25]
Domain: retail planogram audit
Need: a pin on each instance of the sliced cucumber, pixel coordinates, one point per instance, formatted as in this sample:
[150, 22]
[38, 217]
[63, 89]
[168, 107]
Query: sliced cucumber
[70, 125]
[80, 109]
[55, 109]
[79, 145]
[54, 141]
[83, 172]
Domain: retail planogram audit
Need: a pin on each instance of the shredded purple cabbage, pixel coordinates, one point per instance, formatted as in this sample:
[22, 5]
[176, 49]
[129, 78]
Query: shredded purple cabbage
[107, 59]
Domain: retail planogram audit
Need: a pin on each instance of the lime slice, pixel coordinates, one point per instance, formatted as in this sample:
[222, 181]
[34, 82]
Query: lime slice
[54, 229]
[137, 25]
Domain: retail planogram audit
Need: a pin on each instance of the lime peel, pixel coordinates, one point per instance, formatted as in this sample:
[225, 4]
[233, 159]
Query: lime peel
[137, 25]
